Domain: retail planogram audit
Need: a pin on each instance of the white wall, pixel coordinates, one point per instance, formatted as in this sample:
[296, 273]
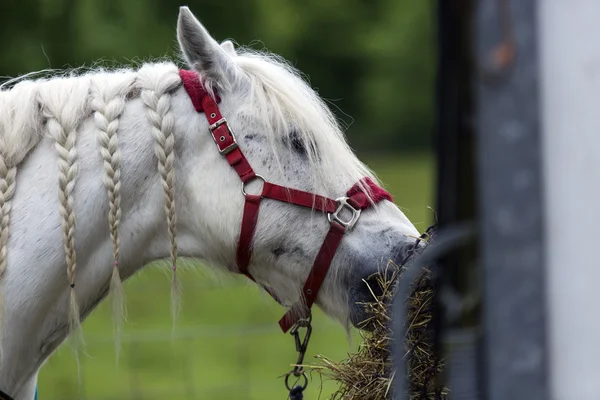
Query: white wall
[569, 34]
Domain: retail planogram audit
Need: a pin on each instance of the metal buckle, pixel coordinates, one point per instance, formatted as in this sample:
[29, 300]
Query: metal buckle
[343, 204]
[222, 138]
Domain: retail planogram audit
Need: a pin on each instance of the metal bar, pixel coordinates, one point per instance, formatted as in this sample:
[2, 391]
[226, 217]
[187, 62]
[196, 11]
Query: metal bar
[457, 335]
[446, 242]
[510, 201]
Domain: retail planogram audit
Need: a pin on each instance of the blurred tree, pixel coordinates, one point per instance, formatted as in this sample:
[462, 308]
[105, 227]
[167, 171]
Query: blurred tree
[373, 60]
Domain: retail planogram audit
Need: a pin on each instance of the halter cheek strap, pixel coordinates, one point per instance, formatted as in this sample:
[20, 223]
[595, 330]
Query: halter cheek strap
[352, 204]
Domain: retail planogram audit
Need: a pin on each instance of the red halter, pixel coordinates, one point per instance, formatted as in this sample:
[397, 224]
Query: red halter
[354, 202]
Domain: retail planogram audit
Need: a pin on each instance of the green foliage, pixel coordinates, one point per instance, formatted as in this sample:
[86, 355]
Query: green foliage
[372, 59]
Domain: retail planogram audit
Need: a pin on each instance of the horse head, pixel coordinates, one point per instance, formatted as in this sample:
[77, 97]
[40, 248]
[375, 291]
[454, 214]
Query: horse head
[290, 138]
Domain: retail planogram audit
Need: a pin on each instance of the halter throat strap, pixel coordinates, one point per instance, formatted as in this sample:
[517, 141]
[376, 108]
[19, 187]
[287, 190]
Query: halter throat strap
[353, 203]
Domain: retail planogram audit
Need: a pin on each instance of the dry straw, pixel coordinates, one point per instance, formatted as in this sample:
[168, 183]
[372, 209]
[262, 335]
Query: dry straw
[368, 373]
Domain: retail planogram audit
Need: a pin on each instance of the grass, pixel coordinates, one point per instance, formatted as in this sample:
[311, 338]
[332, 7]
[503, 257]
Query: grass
[227, 344]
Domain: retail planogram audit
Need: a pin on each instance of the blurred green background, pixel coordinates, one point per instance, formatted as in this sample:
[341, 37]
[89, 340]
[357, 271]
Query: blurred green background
[373, 60]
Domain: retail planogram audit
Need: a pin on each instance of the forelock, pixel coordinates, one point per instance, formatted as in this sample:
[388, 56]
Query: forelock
[282, 98]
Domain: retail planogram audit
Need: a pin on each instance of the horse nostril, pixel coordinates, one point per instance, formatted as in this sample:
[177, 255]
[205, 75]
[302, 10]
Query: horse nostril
[406, 251]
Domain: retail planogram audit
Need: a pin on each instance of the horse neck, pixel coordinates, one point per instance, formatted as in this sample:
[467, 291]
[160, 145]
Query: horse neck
[35, 283]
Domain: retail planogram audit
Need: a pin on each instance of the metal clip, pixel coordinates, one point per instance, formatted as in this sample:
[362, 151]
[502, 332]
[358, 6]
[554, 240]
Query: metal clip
[301, 346]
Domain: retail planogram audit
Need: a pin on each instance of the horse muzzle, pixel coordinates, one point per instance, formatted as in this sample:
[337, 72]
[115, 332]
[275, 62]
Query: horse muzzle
[378, 285]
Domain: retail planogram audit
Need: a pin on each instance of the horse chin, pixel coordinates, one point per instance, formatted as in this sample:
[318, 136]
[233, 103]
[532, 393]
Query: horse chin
[360, 318]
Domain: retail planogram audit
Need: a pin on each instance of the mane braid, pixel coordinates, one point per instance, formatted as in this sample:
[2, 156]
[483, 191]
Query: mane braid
[7, 191]
[67, 171]
[157, 99]
[108, 107]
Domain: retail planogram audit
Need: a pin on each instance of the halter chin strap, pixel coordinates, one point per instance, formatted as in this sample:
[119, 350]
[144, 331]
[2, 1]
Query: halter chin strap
[352, 204]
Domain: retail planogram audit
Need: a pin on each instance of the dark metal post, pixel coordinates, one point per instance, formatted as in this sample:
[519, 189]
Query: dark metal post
[510, 201]
[458, 335]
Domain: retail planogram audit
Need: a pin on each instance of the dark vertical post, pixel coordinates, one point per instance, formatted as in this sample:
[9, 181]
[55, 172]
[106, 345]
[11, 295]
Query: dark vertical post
[510, 201]
[454, 112]
[458, 338]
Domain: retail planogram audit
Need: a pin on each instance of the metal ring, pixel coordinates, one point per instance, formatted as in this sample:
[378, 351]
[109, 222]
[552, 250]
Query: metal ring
[302, 323]
[291, 373]
[253, 178]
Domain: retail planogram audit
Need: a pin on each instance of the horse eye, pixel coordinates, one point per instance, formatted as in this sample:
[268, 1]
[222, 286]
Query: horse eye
[297, 144]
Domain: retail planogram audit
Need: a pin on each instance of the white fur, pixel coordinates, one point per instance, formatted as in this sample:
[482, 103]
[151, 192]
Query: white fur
[263, 99]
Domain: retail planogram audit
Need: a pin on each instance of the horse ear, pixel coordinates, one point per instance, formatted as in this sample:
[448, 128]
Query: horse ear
[229, 48]
[202, 52]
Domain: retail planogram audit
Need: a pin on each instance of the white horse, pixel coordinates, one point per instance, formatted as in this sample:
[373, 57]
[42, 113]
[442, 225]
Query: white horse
[103, 172]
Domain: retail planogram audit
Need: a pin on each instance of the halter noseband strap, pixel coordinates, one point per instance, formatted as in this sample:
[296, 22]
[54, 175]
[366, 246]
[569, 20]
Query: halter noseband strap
[354, 202]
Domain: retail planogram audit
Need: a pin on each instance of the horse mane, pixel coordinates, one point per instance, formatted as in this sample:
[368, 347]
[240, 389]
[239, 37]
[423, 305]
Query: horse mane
[283, 97]
[279, 92]
[22, 101]
[55, 106]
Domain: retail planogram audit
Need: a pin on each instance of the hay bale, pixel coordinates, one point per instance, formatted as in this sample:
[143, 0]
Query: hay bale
[368, 373]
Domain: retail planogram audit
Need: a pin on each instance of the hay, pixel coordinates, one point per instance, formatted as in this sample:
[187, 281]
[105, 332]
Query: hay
[368, 373]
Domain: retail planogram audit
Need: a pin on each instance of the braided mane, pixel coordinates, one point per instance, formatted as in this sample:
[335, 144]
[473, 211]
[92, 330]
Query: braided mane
[55, 108]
